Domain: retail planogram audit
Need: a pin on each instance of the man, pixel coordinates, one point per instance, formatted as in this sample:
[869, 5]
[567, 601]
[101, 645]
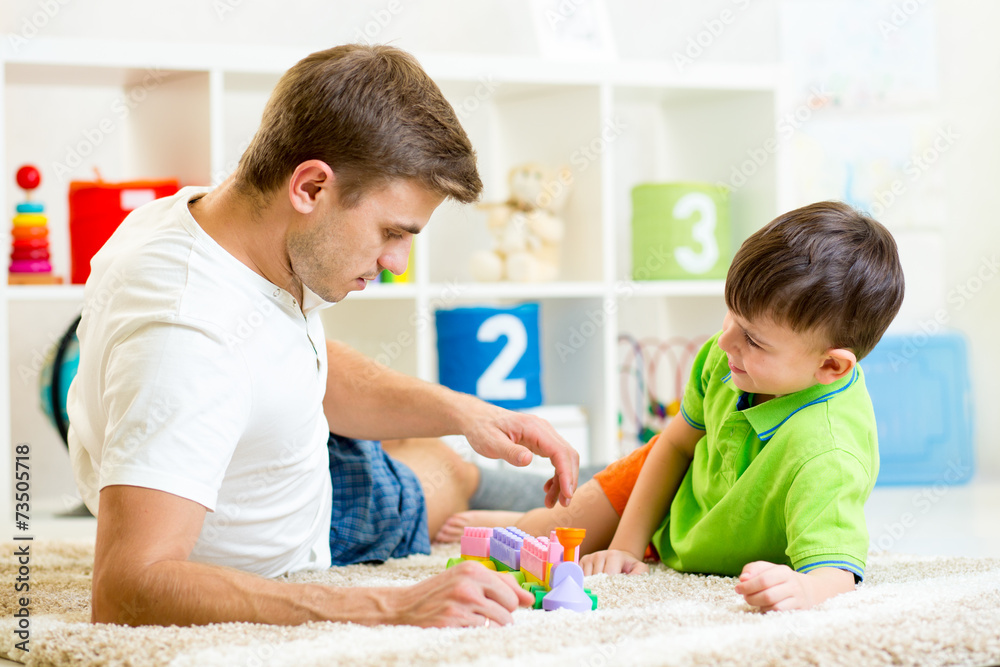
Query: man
[203, 413]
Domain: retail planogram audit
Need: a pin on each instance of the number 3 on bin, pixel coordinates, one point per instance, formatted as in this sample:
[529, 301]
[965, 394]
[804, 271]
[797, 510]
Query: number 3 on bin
[703, 232]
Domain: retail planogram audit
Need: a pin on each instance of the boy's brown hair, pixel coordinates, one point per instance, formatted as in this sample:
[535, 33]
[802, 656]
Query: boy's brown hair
[373, 115]
[824, 267]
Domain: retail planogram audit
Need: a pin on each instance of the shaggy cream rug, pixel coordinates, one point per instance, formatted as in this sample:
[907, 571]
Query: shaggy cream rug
[909, 611]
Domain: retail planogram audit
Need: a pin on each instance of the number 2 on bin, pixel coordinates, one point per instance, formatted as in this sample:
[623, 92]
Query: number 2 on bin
[495, 384]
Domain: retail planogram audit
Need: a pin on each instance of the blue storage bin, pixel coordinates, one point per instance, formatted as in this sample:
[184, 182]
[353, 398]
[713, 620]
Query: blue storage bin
[919, 385]
[492, 353]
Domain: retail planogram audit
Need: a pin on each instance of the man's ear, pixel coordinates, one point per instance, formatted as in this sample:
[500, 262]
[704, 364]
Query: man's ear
[837, 363]
[308, 183]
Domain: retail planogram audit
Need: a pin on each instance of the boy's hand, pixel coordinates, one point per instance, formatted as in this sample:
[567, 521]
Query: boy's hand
[774, 587]
[612, 561]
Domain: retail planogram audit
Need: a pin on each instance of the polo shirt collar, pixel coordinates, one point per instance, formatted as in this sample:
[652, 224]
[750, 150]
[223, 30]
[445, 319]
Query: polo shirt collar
[766, 418]
[312, 301]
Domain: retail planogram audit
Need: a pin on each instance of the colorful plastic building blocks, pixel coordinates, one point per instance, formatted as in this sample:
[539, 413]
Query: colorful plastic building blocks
[547, 567]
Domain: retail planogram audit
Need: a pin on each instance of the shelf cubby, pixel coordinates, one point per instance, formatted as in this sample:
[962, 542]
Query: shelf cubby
[189, 113]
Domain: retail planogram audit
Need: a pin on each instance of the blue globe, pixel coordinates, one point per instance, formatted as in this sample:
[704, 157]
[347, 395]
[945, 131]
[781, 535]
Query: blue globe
[68, 362]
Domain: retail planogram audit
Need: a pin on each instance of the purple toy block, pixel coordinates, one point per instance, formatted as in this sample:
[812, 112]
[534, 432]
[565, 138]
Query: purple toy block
[567, 589]
[505, 546]
[476, 542]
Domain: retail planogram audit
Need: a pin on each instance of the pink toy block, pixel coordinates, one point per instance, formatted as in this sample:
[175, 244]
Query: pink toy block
[555, 549]
[535, 556]
[476, 542]
[567, 589]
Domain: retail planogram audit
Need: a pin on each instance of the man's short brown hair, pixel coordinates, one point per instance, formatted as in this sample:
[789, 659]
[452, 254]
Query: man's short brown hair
[824, 267]
[373, 115]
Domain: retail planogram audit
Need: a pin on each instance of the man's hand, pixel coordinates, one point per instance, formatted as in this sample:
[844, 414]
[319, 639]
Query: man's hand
[512, 436]
[466, 595]
[774, 587]
[612, 561]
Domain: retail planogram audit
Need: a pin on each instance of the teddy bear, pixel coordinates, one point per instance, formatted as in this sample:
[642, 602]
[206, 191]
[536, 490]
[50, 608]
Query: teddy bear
[527, 228]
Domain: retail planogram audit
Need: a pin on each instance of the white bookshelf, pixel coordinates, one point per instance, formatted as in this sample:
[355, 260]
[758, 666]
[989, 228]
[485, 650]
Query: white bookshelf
[204, 103]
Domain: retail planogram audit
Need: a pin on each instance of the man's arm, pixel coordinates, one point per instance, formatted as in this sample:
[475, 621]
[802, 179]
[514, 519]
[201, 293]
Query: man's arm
[774, 587]
[142, 576]
[365, 399]
[661, 475]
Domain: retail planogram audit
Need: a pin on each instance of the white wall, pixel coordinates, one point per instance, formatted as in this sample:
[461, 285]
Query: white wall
[306, 24]
[642, 28]
[970, 74]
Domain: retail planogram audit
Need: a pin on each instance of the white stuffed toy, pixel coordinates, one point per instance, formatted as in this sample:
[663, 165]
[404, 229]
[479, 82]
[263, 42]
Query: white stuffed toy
[526, 229]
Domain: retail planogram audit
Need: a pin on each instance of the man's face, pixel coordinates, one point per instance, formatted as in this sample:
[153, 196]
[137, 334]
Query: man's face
[770, 359]
[337, 250]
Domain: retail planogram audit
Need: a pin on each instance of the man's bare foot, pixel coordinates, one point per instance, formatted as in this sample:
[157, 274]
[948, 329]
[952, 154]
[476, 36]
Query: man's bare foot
[454, 526]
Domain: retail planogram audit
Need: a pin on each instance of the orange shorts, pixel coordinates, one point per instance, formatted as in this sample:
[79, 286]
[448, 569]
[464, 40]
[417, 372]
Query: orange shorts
[618, 479]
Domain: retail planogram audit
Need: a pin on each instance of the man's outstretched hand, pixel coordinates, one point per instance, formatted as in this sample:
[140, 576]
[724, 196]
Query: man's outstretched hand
[515, 437]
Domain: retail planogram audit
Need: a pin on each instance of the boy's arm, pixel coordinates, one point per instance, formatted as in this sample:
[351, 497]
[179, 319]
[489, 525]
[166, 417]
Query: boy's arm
[649, 501]
[824, 518]
[774, 587]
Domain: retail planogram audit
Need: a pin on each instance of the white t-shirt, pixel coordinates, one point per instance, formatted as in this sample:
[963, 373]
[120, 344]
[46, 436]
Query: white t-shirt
[200, 378]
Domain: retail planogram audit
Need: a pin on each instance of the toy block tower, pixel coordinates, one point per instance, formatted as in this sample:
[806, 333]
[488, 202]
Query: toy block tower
[29, 254]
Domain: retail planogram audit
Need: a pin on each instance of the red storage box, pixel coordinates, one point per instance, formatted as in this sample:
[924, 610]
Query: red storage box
[96, 210]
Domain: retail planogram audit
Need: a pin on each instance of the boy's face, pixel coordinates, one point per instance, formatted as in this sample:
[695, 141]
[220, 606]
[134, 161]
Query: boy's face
[769, 359]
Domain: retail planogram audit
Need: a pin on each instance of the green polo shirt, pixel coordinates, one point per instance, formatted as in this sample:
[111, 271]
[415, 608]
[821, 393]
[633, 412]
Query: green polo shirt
[784, 481]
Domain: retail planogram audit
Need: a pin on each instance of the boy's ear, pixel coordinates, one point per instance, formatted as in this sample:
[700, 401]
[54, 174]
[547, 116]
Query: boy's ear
[837, 363]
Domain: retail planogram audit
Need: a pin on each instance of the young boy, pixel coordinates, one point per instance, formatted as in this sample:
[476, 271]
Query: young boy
[766, 474]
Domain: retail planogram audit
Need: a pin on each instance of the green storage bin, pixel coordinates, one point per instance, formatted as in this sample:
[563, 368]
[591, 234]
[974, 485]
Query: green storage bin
[680, 231]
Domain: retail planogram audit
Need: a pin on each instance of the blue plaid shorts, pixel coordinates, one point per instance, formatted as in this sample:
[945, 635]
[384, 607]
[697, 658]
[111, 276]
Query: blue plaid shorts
[378, 506]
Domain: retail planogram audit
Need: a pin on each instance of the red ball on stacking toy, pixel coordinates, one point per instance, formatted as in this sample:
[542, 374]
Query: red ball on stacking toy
[28, 177]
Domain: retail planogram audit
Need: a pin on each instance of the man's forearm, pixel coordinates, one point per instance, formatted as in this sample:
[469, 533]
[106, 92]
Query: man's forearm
[367, 400]
[142, 576]
[361, 394]
[185, 593]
